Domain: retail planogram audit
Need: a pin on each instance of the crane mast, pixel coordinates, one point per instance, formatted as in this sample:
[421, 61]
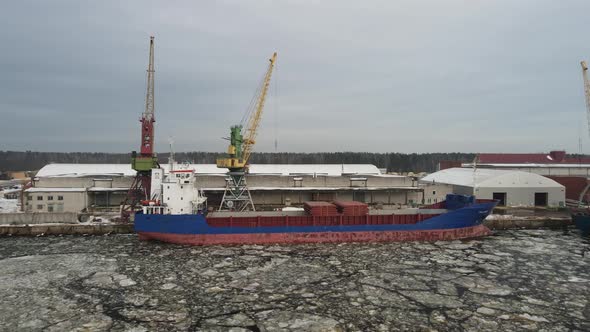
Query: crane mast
[586, 91]
[147, 119]
[146, 160]
[242, 139]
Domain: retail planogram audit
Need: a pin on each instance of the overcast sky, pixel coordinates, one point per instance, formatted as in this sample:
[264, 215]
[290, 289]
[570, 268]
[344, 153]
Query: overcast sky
[377, 76]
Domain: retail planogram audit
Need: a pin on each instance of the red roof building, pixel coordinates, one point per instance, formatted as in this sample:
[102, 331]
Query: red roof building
[572, 173]
[553, 157]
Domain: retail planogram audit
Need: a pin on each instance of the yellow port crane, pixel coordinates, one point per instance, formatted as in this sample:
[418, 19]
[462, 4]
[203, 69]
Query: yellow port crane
[242, 139]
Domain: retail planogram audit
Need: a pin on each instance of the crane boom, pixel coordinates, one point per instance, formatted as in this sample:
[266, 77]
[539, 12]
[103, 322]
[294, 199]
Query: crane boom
[254, 121]
[242, 139]
[586, 91]
[147, 118]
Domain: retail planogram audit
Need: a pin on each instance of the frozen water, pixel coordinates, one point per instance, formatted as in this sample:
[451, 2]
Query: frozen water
[512, 281]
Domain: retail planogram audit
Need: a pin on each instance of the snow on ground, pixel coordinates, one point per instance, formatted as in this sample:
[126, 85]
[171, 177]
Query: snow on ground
[513, 217]
[8, 205]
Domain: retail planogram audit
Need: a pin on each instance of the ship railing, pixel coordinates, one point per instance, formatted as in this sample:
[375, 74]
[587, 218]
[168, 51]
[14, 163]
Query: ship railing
[153, 209]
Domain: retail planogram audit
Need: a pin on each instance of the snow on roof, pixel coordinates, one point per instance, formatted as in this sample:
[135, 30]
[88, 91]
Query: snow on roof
[525, 165]
[85, 170]
[47, 190]
[486, 177]
[81, 170]
[317, 169]
[407, 188]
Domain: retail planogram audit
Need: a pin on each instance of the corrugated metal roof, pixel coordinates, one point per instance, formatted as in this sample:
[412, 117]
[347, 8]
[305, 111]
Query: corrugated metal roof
[486, 177]
[85, 170]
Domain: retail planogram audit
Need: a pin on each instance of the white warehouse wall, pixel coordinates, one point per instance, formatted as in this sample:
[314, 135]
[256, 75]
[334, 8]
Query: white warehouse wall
[524, 196]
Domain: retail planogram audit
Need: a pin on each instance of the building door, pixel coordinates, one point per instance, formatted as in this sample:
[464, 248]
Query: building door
[501, 197]
[540, 199]
[358, 196]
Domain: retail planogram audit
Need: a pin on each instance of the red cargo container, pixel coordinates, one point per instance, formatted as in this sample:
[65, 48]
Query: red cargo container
[352, 208]
[320, 208]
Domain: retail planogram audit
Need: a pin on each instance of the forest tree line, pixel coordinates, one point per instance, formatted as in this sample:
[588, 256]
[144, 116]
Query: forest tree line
[393, 162]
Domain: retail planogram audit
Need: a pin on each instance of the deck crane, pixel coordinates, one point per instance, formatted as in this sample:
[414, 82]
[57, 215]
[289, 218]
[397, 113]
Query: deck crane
[242, 139]
[146, 160]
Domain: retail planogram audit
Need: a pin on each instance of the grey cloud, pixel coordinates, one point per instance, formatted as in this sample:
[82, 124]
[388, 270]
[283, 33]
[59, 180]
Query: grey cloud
[407, 76]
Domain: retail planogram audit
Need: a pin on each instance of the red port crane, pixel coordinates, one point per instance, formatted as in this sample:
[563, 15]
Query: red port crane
[146, 160]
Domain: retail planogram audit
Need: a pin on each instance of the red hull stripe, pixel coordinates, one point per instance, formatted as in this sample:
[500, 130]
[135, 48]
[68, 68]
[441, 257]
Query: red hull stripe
[317, 237]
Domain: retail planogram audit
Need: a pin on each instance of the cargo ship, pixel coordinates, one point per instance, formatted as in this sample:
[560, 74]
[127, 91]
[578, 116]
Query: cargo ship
[177, 214]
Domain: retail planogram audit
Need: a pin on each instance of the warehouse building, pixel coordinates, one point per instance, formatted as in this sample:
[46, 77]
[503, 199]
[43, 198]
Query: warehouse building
[511, 188]
[572, 173]
[102, 187]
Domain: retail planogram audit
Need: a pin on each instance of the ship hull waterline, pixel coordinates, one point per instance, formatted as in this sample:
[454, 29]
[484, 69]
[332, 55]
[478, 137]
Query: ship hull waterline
[463, 223]
[319, 237]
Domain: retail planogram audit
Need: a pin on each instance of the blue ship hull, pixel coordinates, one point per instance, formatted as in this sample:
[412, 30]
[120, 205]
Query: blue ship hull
[195, 229]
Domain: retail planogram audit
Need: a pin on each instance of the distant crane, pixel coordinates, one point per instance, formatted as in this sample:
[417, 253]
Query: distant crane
[584, 65]
[586, 91]
[146, 160]
[242, 139]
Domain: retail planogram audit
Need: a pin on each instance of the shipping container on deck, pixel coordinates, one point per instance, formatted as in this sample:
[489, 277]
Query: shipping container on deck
[320, 209]
[352, 208]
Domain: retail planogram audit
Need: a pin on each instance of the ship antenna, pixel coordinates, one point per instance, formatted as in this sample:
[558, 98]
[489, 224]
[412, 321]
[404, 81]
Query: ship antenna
[171, 158]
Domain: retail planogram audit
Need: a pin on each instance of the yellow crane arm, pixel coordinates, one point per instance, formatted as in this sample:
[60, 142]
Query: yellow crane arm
[254, 120]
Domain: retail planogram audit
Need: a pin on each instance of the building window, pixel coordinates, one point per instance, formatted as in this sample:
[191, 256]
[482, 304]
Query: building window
[39, 198]
[39, 207]
[50, 208]
[60, 208]
[49, 198]
[60, 198]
